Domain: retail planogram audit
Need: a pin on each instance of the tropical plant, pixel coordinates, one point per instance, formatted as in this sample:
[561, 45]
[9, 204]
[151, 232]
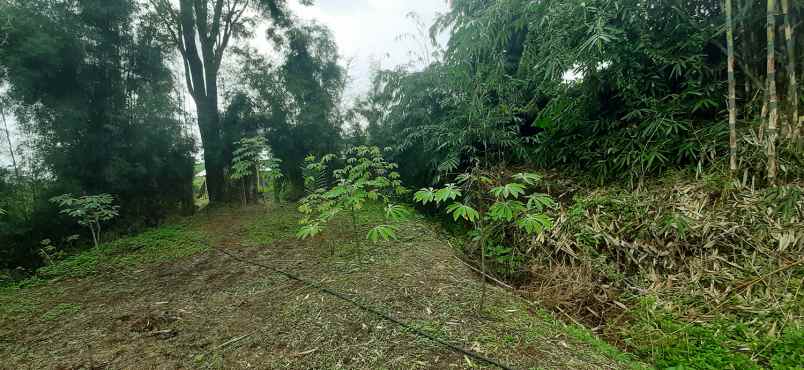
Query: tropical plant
[89, 211]
[493, 208]
[365, 177]
[248, 160]
[270, 174]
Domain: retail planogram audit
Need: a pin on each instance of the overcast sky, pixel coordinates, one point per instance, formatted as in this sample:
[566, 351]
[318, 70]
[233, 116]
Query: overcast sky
[367, 30]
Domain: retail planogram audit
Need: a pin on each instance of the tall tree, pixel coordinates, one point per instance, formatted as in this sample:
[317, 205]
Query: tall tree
[202, 30]
[773, 100]
[732, 89]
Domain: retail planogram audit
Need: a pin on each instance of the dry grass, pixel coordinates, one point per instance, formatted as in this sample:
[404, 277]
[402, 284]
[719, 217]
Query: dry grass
[700, 249]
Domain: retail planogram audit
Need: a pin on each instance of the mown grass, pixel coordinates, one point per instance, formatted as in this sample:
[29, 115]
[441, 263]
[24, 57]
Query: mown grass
[415, 278]
[158, 245]
[181, 238]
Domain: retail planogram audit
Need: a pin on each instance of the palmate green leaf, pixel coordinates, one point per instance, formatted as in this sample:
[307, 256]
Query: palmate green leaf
[336, 192]
[449, 192]
[539, 202]
[509, 190]
[534, 223]
[505, 211]
[424, 196]
[330, 213]
[384, 232]
[528, 178]
[396, 212]
[308, 231]
[459, 210]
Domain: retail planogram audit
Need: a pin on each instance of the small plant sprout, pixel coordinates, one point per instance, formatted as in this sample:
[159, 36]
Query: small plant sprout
[366, 176]
[89, 211]
[494, 209]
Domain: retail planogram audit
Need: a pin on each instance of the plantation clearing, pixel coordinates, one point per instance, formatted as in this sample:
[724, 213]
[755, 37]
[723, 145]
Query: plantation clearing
[169, 298]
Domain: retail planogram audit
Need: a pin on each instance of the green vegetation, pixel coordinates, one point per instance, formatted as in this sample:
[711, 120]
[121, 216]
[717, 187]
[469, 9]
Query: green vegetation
[667, 213]
[115, 299]
[90, 211]
[365, 177]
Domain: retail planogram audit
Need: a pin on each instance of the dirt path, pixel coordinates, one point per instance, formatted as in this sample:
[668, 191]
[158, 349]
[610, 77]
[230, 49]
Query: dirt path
[207, 310]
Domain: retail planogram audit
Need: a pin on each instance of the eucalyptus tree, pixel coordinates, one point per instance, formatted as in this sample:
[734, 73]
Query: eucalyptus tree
[202, 31]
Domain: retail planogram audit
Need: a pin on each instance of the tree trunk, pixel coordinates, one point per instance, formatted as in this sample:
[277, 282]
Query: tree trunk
[732, 90]
[792, 84]
[773, 103]
[212, 143]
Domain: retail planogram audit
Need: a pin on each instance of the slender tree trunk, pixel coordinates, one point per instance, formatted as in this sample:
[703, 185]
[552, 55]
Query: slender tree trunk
[483, 271]
[354, 228]
[792, 84]
[773, 103]
[94, 234]
[10, 145]
[732, 90]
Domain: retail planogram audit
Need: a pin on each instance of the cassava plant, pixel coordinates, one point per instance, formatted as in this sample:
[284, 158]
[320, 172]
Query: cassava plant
[366, 176]
[247, 162]
[494, 209]
[89, 211]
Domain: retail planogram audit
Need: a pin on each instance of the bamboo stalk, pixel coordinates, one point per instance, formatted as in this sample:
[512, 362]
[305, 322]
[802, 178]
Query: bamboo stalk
[732, 90]
[773, 100]
[792, 84]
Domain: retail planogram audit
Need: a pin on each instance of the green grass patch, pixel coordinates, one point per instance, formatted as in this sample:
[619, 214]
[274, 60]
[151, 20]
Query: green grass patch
[724, 343]
[279, 222]
[158, 245]
[61, 310]
[13, 303]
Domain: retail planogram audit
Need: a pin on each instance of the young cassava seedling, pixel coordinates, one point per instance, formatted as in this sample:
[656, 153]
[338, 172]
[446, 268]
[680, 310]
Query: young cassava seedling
[490, 206]
[366, 176]
[89, 211]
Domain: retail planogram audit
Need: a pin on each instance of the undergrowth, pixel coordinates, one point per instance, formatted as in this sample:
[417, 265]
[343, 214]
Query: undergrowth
[690, 271]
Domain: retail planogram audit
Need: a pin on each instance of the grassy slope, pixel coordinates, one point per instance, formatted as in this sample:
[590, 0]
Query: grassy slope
[168, 299]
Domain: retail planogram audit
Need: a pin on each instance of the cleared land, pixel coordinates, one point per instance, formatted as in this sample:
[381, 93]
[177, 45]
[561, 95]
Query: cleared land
[168, 299]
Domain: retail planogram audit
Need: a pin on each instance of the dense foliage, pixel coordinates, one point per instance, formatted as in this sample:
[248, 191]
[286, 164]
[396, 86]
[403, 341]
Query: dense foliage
[613, 89]
[675, 121]
[95, 94]
[296, 103]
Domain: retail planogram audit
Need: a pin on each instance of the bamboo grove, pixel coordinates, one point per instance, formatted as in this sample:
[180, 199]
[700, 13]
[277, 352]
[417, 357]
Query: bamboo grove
[779, 123]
